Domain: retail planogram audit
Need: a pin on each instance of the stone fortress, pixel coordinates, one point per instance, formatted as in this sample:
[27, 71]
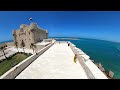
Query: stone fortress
[29, 34]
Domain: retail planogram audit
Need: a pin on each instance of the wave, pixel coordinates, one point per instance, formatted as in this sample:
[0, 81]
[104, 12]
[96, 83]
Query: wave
[118, 55]
[118, 48]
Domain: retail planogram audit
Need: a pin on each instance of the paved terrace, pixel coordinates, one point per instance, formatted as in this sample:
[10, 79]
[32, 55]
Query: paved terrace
[55, 63]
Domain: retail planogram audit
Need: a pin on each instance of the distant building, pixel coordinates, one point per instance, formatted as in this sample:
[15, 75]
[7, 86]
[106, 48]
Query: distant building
[29, 34]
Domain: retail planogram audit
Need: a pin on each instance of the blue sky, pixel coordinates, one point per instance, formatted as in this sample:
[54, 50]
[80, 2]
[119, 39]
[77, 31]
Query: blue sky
[87, 24]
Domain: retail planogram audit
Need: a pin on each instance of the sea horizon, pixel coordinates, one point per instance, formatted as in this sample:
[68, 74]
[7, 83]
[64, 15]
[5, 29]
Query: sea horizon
[6, 41]
[68, 37]
[87, 38]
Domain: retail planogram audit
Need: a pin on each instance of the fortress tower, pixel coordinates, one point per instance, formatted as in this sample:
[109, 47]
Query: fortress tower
[29, 34]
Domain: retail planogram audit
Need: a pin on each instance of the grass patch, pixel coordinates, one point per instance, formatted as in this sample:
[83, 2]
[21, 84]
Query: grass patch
[11, 62]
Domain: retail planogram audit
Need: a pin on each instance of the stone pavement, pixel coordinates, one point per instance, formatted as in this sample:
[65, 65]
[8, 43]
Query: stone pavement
[55, 63]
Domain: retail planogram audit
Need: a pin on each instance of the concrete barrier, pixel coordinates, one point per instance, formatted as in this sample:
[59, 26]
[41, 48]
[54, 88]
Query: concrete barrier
[85, 67]
[72, 46]
[12, 73]
[82, 60]
[111, 74]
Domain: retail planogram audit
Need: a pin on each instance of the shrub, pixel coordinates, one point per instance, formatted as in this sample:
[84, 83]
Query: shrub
[1, 60]
[29, 54]
[15, 63]
[9, 58]
[4, 59]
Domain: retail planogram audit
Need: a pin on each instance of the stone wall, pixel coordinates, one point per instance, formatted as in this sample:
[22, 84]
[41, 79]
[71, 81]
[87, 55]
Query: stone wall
[29, 34]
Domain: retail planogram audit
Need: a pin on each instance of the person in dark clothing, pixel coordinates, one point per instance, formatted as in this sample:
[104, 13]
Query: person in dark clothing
[68, 44]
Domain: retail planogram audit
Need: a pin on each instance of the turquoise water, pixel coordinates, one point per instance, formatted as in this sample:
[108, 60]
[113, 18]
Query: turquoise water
[105, 52]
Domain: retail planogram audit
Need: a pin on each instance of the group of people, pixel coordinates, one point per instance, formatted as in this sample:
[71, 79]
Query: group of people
[67, 42]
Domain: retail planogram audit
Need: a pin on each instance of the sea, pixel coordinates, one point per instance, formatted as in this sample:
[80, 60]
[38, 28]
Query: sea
[6, 41]
[105, 52]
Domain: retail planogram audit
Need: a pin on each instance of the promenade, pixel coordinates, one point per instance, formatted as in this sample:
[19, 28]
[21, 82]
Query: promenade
[55, 63]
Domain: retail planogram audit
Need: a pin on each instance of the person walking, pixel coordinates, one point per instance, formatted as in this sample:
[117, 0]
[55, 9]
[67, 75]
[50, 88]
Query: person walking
[75, 58]
[68, 44]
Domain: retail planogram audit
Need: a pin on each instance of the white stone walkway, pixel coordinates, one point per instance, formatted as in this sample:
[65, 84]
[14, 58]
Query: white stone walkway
[55, 63]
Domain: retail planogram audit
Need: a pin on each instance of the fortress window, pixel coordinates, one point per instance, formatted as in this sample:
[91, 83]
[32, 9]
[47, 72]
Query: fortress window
[21, 29]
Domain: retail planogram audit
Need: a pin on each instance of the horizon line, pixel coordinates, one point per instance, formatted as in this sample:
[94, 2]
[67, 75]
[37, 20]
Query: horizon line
[68, 37]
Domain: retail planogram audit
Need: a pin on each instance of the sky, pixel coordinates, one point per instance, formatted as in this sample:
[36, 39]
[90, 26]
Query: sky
[103, 25]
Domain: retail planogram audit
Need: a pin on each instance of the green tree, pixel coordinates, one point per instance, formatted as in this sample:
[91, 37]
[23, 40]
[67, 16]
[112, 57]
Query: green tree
[33, 46]
[2, 48]
[23, 45]
[16, 44]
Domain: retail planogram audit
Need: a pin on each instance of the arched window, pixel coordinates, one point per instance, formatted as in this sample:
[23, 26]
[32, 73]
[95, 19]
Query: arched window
[33, 30]
[21, 29]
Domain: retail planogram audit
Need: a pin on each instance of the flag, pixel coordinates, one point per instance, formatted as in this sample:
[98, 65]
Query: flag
[30, 18]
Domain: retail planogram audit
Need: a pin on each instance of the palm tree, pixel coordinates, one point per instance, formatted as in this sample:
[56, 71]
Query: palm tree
[2, 48]
[16, 44]
[23, 45]
[33, 46]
